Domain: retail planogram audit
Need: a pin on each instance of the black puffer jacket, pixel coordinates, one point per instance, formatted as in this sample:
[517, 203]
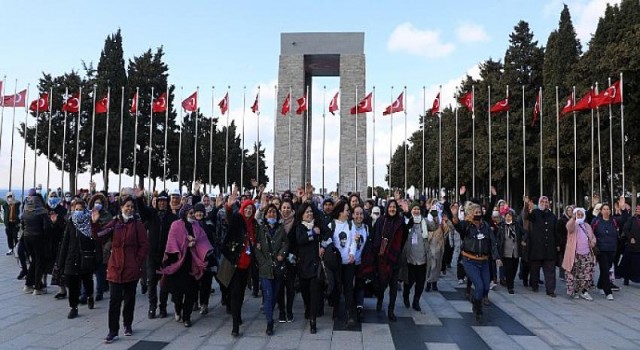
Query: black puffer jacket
[157, 224]
[74, 246]
[35, 219]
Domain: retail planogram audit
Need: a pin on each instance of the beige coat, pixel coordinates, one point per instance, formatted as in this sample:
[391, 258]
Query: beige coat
[572, 241]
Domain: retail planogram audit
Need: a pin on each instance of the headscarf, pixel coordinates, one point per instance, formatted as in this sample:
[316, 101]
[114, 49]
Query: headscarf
[34, 204]
[540, 201]
[596, 209]
[82, 222]
[577, 209]
[184, 210]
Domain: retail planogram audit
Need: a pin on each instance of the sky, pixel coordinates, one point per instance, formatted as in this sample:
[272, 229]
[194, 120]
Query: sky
[423, 45]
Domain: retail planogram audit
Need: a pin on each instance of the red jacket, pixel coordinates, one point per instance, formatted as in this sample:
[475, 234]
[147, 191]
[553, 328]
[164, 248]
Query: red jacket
[128, 250]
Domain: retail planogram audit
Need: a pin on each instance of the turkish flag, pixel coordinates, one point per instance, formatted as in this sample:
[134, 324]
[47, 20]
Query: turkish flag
[568, 107]
[41, 104]
[102, 105]
[609, 96]
[396, 106]
[467, 100]
[333, 105]
[160, 103]
[536, 108]
[255, 108]
[223, 104]
[302, 105]
[436, 105]
[364, 106]
[72, 104]
[500, 106]
[134, 104]
[586, 102]
[286, 105]
[17, 100]
[191, 103]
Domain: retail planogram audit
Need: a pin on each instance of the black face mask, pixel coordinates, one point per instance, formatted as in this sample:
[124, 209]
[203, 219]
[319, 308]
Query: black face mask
[477, 217]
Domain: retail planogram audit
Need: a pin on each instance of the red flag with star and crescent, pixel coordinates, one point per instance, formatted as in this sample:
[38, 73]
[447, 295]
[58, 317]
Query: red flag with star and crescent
[396, 106]
[363, 106]
[160, 103]
[190, 104]
[568, 106]
[586, 102]
[72, 104]
[610, 96]
[435, 109]
[500, 106]
[333, 105]
[134, 104]
[536, 108]
[102, 105]
[286, 105]
[224, 104]
[41, 104]
[255, 108]
[17, 100]
[467, 100]
[302, 105]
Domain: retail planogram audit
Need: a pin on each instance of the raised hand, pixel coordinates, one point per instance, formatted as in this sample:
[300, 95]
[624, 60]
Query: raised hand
[493, 191]
[233, 197]
[463, 189]
[95, 216]
[139, 192]
[254, 182]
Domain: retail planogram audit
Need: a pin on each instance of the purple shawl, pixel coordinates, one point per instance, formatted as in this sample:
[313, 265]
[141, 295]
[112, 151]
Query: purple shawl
[177, 243]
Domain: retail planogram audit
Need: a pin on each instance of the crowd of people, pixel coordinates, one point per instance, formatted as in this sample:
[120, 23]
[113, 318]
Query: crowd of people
[333, 250]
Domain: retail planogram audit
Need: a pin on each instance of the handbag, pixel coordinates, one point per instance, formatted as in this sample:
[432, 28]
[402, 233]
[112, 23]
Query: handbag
[88, 260]
[225, 271]
[279, 270]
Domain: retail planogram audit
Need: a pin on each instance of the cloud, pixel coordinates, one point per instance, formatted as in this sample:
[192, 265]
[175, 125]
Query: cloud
[585, 14]
[471, 33]
[426, 43]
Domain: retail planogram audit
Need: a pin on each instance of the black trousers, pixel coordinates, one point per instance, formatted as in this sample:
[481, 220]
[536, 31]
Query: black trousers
[121, 293]
[11, 229]
[549, 270]
[418, 275]
[525, 270]
[152, 284]
[288, 290]
[255, 277]
[73, 285]
[35, 249]
[393, 288]
[447, 256]
[204, 287]
[347, 274]
[184, 295]
[605, 261]
[236, 295]
[510, 268]
[311, 294]
[461, 274]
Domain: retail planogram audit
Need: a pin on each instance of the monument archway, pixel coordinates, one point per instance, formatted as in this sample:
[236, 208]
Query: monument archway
[302, 57]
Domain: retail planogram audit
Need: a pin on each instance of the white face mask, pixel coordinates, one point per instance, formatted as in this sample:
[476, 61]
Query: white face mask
[191, 220]
[126, 217]
[580, 221]
[508, 222]
[417, 219]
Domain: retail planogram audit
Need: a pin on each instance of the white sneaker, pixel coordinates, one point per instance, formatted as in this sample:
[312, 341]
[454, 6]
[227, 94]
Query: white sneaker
[576, 295]
[460, 281]
[27, 289]
[601, 291]
[40, 291]
[610, 297]
[586, 296]
[492, 285]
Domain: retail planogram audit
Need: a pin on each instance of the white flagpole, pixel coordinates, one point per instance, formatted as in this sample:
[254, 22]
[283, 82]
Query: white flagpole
[355, 168]
[213, 110]
[195, 142]
[226, 142]
[275, 128]
[180, 143]
[135, 139]
[592, 151]
[391, 140]
[93, 129]
[455, 187]
[489, 108]
[289, 137]
[4, 82]
[49, 137]
[439, 145]
[24, 148]
[78, 136]
[575, 151]
[611, 150]
[373, 146]
[244, 109]
[324, 108]
[541, 162]
[306, 139]
[473, 138]
[508, 163]
[35, 143]
[524, 148]
[424, 119]
[404, 144]
[622, 131]
[120, 146]
[150, 140]
[557, 199]
[64, 140]
[258, 140]
[599, 150]
[13, 128]
[106, 139]
[166, 128]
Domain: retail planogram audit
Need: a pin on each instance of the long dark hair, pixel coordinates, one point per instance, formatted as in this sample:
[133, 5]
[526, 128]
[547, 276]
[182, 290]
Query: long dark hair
[338, 208]
[300, 213]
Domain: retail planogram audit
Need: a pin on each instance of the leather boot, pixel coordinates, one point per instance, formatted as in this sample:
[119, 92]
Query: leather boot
[434, 286]
[428, 288]
[379, 304]
[390, 315]
[405, 297]
[477, 310]
[416, 304]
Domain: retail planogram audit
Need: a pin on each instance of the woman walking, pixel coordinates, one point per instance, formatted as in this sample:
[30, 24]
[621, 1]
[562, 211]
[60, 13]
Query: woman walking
[579, 260]
[605, 228]
[307, 230]
[509, 238]
[128, 251]
[271, 250]
[287, 290]
[417, 253]
[630, 264]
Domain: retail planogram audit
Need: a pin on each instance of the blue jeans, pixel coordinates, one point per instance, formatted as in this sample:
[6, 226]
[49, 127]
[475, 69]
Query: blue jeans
[479, 273]
[270, 288]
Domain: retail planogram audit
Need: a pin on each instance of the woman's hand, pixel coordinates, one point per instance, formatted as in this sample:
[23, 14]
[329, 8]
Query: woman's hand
[316, 230]
[280, 258]
[321, 252]
[95, 216]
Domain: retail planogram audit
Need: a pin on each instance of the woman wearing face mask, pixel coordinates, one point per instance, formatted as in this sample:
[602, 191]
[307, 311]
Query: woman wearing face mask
[605, 228]
[129, 249]
[579, 260]
[478, 247]
[271, 249]
[204, 284]
[417, 253]
[78, 257]
[630, 264]
[186, 257]
[57, 215]
[509, 238]
[99, 202]
[287, 290]
[389, 237]
[440, 229]
[308, 241]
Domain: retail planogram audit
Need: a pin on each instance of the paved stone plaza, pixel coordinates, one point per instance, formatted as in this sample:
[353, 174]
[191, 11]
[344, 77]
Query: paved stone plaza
[521, 321]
